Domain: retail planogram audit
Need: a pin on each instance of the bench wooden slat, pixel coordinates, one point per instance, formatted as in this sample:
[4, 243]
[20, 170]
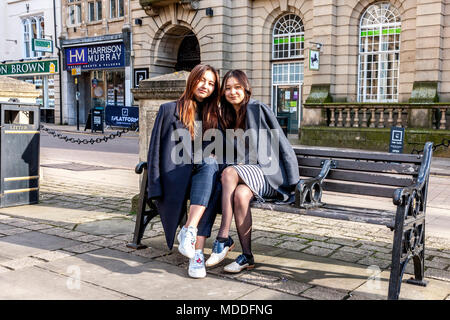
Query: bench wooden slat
[341, 213]
[359, 154]
[394, 168]
[363, 177]
[366, 190]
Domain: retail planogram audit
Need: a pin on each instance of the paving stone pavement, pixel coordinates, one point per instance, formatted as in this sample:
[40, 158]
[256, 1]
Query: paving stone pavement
[298, 257]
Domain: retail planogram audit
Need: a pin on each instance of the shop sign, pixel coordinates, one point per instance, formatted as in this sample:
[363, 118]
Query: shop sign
[101, 56]
[121, 116]
[29, 68]
[42, 45]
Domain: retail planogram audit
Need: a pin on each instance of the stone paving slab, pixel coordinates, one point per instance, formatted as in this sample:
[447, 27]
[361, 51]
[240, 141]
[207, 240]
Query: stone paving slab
[377, 288]
[125, 273]
[31, 243]
[38, 284]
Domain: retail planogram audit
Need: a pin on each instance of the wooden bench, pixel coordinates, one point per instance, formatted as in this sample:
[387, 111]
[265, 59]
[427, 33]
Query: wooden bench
[402, 178]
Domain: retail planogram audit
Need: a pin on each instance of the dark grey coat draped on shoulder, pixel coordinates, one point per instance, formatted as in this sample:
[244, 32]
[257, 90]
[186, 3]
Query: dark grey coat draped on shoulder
[168, 181]
[277, 157]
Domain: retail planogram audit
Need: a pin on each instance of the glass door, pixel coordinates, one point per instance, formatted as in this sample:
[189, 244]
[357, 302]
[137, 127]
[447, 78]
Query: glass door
[287, 100]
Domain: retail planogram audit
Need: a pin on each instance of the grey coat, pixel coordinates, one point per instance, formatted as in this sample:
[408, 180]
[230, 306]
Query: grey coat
[280, 165]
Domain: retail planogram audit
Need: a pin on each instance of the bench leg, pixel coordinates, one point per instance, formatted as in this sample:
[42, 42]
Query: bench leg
[418, 248]
[143, 217]
[409, 242]
[399, 261]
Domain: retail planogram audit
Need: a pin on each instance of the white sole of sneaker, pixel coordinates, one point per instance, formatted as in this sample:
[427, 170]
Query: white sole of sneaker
[248, 267]
[223, 258]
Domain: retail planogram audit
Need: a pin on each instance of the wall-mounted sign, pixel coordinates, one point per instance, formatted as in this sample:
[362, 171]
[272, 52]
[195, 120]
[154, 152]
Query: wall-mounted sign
[29, 68]
[42, 45]
[314, 59]
[139, 75]
[100, 56]
[397, 139]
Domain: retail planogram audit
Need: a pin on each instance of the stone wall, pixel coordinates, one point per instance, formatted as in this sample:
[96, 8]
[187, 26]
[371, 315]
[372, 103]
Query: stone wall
[20, 91]
[239, 35]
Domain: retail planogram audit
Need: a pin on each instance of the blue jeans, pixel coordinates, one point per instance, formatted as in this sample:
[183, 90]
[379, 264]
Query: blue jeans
[203, 181]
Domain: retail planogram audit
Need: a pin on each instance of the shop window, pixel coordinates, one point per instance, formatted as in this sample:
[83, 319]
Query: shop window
[74, 7]
[115, 95]
[288, 37]
[379, 54]
[46, 87]
[95, 11]
[33, 28]
[116, 9]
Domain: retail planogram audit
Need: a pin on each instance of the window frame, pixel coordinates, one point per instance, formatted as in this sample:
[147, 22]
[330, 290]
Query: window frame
[379, 55]
[119, 7]
[288, 21]
[76, 5]
[29, 34]
[98, 14]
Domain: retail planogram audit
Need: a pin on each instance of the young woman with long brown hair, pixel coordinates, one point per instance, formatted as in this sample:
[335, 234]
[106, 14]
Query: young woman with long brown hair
[170, 182]
[245, 181]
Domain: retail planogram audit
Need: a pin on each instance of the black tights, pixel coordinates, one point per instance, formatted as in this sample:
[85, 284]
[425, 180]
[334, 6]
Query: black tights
[243, 217]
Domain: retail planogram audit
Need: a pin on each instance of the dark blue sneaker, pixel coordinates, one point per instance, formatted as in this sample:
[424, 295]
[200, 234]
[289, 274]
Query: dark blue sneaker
[241, 263]
[219, 252]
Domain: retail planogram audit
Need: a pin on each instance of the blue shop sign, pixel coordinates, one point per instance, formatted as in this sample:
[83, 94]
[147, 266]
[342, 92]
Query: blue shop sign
[119, 116]
[101, 56]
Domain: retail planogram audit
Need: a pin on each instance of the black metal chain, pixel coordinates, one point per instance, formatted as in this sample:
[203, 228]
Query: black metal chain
[445, 143]
[119, 133]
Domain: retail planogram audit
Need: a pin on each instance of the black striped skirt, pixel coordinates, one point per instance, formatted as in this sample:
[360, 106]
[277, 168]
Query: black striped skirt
[253, 177]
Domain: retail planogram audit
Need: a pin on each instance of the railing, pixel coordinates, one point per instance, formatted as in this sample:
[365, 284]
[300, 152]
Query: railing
[384, 115]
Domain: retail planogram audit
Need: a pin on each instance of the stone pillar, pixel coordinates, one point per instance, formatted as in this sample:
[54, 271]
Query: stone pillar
[151, 94]
[324, 32]
[429, 35]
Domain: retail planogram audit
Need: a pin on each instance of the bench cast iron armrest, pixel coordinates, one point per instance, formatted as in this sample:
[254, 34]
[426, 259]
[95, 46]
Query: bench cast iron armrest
[415, 192]
[140, 167]
[308, 193]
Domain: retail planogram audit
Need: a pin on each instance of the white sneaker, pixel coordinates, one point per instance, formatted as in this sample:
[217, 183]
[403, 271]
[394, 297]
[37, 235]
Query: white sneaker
[219, 252]
[187, 238]
[197, 265]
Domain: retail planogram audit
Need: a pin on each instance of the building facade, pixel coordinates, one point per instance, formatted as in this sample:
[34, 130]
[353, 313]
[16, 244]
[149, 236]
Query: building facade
[96, 42]
[28, 49]
[300, 51]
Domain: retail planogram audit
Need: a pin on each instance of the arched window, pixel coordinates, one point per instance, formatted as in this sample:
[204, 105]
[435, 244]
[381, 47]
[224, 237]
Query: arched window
[33, 28]
[379, 54]
[26, 38]
[288, 38]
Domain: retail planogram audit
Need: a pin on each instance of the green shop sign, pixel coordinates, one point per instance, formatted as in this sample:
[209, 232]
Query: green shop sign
[29, 68]
[42, 45]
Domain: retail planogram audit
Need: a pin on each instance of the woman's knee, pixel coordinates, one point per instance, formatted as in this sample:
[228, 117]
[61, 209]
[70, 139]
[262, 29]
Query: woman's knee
[242, 196]
[229, 176]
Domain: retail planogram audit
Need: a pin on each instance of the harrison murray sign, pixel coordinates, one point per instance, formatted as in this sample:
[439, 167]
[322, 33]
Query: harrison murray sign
[29, 67]
[96, 56]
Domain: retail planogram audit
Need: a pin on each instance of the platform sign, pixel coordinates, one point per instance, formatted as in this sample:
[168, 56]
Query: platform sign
[397, 140]
[119, 116]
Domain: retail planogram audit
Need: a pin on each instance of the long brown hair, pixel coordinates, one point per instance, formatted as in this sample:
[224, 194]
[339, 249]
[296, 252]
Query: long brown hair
[187, 104]
[229, 118]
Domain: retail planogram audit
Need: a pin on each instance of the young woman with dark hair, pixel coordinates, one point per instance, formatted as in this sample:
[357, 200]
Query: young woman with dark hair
[171, 183]
[243, 182]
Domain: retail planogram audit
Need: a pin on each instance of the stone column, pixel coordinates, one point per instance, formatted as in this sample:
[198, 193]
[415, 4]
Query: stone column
[429, 35]
[150, 95]
[324, 32]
